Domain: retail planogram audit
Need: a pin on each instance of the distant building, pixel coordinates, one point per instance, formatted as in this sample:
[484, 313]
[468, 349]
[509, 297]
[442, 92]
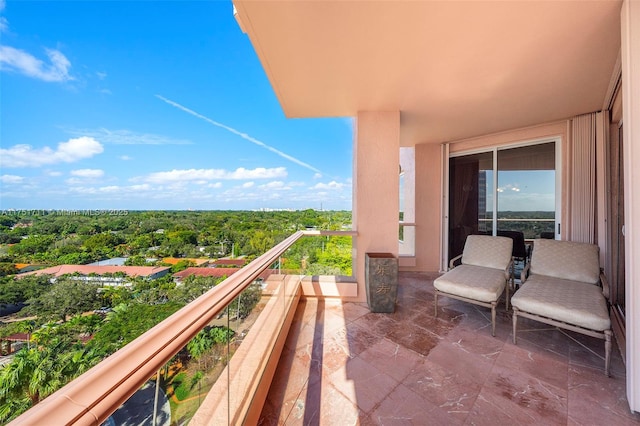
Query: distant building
[105, 275]
[214, 272]
[174, 260]
[238, 263]
[115, 261]
[13, 343]
[26, 267]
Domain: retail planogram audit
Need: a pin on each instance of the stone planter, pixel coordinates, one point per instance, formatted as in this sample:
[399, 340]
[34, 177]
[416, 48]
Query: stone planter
[381, 281]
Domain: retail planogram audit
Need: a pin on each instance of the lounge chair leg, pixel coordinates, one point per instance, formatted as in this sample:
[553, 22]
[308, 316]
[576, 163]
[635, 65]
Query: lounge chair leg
[507, 299]
[607, 351]
[515, 325]
[435, 303]
[493, 318]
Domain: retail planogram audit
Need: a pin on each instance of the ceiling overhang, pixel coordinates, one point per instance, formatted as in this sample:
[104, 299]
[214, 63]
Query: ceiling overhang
[454, 69]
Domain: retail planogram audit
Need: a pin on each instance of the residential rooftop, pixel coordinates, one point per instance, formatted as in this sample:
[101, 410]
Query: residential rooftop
[131, 271]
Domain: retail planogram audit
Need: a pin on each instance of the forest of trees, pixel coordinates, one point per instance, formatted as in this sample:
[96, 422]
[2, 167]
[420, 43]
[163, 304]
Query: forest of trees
[73, 324]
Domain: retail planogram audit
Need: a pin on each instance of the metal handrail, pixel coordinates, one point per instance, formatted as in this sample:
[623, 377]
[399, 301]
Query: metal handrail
[91, 398]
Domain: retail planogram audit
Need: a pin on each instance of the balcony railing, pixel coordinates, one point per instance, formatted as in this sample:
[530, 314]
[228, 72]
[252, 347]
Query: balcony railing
[532, 227]
[407, 239]
[231, 389]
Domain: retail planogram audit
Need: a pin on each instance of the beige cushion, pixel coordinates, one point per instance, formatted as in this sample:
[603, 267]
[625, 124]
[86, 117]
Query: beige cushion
[487, 251]
[472, 282]
[568, 301]
[566, 260]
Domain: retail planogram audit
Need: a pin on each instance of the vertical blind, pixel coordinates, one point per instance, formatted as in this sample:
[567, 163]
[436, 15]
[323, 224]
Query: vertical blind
[585, 134]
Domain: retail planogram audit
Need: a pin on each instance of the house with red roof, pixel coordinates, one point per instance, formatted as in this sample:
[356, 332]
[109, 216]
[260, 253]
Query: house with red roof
[108, 275]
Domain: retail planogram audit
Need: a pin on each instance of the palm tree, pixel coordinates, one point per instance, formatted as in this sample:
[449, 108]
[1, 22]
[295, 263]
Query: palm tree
[199, 345]
[27, 327]
[31, 376]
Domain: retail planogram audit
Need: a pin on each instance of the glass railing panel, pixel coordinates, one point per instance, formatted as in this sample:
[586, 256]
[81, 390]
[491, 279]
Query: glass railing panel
[531, 228]
[407, 239]
[176, 392]
[249, 362]
[321, 255]
[212, 377]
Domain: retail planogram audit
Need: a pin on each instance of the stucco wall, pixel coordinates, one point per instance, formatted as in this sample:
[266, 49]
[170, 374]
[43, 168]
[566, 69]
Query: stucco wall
[376, 155]
[428, 218]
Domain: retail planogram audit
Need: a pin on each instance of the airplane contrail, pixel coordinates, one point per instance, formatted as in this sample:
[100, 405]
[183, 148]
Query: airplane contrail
[242, 135]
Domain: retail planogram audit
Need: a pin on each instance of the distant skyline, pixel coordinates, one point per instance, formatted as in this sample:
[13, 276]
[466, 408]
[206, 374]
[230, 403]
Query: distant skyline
[530, 190]
[153, 105]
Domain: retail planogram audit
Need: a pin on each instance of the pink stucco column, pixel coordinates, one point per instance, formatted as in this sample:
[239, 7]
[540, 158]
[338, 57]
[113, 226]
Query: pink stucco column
[376, 160]
[630, 19]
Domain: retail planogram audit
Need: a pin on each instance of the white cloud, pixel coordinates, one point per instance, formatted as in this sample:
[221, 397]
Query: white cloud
[275, 185]
[509, 186]
[143, 187]
[88, 173]
[248, 184]
[66, 152]
[11, 179]
[331, 185]
[74, 181]
[4, 24]
[111, 188]
[126, 137]
[258, 173]
[125, 158]
[190, 175]
[317, 176]
[105, 91]
[215, 185]
[12, 59]
[101, 75]
[54, 174]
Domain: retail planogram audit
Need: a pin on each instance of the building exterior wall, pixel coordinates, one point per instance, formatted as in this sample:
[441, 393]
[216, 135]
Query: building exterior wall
[428, 218]
[630, 51]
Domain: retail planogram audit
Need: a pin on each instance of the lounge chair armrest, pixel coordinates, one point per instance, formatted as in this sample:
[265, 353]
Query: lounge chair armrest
[605, 285]
[453, 261]
[525, 273]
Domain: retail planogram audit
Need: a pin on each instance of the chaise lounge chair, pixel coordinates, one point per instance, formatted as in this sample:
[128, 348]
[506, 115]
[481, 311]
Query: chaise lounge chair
[563, 290]
[482, 276]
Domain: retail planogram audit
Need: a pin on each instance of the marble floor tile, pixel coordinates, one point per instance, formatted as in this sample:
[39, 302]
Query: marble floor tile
[404, 407]
[543, 366]
[393, 359]
[362, 383]
[343, 365]
[452, 391]
[528, 399]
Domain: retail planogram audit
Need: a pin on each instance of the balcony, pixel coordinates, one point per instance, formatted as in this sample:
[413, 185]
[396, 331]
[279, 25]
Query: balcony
[303, 359]
[344, 365]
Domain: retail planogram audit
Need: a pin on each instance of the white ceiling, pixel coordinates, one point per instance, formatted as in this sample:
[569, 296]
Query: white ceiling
[454, 69]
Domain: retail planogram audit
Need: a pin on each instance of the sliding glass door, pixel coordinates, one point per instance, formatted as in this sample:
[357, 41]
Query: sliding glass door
[470, 198]
[519, 184]
[526, 190]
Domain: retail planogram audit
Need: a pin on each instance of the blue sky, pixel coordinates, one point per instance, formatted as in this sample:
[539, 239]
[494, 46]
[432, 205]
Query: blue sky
[153, 105]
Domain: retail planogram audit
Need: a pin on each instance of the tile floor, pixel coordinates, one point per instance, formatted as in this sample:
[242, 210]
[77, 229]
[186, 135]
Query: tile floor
[343, 365]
